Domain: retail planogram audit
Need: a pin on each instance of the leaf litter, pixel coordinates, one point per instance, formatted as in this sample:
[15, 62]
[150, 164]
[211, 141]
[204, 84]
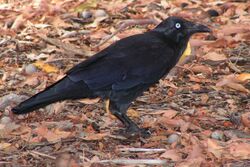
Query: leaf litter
[203, 108]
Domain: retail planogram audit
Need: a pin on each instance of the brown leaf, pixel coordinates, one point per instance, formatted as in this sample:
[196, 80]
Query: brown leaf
[175, 123]
[237, 86]
[95, 136]
[245, 118]
[204, 98]
[89, 101]
[167, 83]
[232, 81]
[169, 113]
[59, 23]
[57, 107]
[214, 148]
[50, 135]
[171, 154]
[133, 113]
[191, 162]
[235, 29]
[65, 160]
[199, 79]
[31, 81]
[214, 56]
[243, 77]
[3, 146]
[202, 69]
[19, 21]
[238, 151]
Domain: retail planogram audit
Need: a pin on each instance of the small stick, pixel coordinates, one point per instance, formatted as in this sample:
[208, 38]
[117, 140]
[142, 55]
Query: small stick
[124, 25]
[135, 161]
[42, 154]
[5, 162]
[143, 149]
[185, 68]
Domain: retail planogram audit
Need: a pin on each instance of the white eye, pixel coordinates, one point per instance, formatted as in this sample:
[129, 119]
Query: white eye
[177, 25]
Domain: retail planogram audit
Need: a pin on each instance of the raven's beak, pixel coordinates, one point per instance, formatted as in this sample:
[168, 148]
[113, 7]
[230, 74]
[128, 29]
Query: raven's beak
[195, 28]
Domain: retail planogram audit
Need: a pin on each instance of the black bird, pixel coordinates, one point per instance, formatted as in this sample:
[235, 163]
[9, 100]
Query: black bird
[122, 71]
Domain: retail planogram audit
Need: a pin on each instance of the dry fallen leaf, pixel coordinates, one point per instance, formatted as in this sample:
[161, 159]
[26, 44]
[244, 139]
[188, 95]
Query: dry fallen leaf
[95, 136]
[245, 118]
[202, 69]
[133, 113]
[51, 135]
[4, 145]
[46, 67]
[169, 113]
[64, 160]
[233, 81]
[31, 80]
[214, 148]
[171, 154]
[237, 151]
[183, 125]
[89, 101]
[235, 29]
[243, 77]
[214, 56]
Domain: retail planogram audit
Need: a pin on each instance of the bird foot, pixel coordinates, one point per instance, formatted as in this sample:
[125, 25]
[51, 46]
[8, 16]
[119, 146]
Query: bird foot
[135, 132]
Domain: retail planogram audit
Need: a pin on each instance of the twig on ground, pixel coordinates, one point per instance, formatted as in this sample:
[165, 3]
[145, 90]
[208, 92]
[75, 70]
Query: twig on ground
[185, 68]
[147, 150]
[74, 33]
[5, 162]
[135, 161]
[41, 154]
[124, 25]
[64, 58]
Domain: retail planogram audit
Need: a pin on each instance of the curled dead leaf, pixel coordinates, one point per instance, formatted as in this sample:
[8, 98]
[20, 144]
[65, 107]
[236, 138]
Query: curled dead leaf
[233, 81]
[202, 69]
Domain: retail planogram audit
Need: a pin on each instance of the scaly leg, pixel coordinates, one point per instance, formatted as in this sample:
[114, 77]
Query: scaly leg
[119, 110]
[107, 103]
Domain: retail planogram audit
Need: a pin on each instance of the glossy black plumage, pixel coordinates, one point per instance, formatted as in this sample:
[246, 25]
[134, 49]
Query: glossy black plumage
[122, 71]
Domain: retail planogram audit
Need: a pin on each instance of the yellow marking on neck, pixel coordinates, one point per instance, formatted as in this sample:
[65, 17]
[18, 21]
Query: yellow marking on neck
[186, 53]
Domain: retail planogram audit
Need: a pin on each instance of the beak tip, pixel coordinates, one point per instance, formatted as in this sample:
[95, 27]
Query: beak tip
[203, 28]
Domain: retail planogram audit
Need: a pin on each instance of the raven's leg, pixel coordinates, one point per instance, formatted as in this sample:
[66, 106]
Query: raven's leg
[120, 111]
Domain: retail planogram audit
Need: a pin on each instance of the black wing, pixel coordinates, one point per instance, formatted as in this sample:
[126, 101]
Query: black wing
[135, 60]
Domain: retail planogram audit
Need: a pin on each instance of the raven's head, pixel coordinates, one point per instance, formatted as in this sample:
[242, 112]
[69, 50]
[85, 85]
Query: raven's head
[178, 29]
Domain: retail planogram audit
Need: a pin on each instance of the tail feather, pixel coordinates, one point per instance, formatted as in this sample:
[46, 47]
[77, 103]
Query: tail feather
[61, 90]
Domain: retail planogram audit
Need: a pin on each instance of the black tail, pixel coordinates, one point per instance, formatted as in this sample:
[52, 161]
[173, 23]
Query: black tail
[61, 90]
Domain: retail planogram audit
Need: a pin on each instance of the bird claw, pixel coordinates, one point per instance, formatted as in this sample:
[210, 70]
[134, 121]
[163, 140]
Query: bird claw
[135, 132]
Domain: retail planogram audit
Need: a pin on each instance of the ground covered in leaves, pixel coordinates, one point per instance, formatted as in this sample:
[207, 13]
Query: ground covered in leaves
[199, 115]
